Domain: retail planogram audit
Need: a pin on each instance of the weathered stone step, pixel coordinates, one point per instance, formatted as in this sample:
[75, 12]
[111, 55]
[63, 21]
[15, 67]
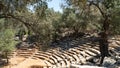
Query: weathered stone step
[90, 53]
[94, 50]
[45, 58]
[63, 58]
[76, 55]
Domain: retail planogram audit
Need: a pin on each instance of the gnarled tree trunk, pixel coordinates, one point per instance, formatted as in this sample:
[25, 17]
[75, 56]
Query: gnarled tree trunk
[104, 39]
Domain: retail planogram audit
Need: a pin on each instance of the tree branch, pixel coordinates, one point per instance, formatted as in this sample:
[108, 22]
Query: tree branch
[12, 16]
[92, 3]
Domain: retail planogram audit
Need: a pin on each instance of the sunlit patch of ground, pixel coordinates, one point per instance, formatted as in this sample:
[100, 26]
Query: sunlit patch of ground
[27, 63]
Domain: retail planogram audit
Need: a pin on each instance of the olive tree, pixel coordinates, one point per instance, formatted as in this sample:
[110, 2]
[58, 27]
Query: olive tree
[7, 43]
[105, 8]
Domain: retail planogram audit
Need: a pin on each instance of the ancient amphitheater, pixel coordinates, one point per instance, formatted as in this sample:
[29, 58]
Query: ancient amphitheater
[78, 55]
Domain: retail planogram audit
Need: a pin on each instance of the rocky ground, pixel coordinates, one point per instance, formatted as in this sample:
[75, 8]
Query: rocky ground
[113, 61]
[69, 43]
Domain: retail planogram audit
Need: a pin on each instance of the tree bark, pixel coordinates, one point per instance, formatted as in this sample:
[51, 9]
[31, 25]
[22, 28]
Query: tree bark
[103, 41]
[6, 56]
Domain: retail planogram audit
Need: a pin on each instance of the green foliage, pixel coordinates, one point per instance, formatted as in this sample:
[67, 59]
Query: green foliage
[16, 9]
[10, 7]
[80, 22]
[105, 8]
[108, 3]
[44, 27]
[47, 25]
[7, 42]
[115, 22]
[70, 19]
[1, 24]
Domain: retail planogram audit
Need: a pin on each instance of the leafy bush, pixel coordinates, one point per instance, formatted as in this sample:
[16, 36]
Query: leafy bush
[7, 42]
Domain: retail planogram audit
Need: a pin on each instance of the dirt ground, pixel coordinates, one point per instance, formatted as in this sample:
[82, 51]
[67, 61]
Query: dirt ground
[24, 63]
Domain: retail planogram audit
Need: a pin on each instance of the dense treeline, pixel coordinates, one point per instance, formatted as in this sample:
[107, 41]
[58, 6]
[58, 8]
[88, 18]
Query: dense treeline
[49, 25]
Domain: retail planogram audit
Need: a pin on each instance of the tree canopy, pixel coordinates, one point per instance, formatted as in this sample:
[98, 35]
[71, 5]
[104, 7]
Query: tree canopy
[47, 25]
[102, 8]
